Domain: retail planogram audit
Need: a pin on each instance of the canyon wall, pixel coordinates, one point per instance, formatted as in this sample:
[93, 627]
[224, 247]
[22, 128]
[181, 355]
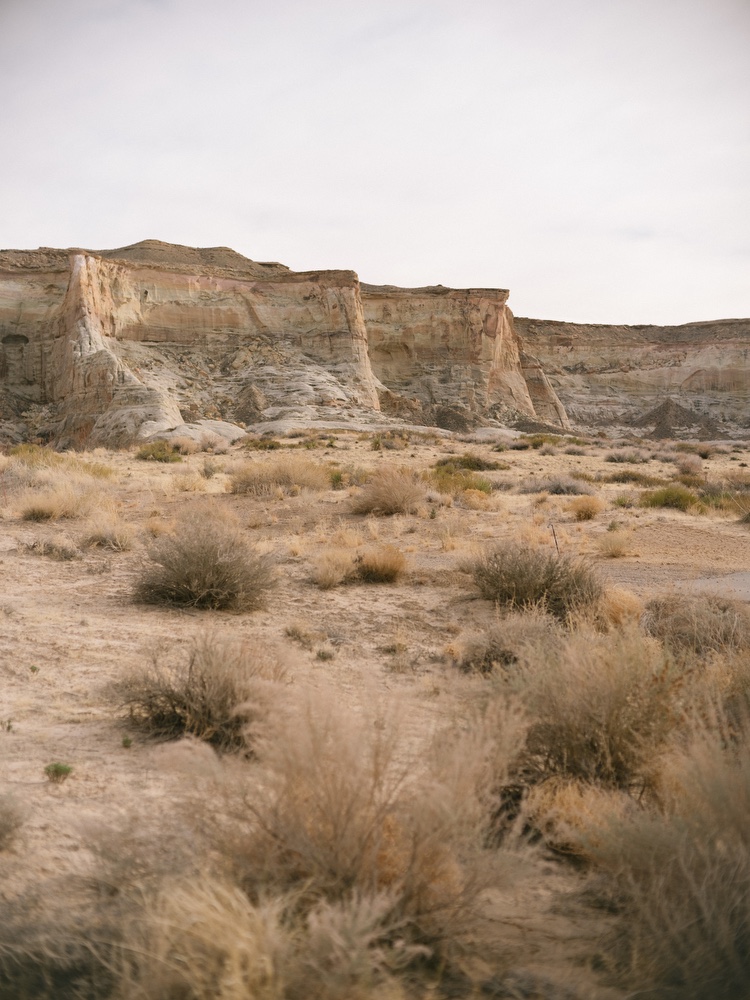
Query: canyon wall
[104, 346]
[616, 375]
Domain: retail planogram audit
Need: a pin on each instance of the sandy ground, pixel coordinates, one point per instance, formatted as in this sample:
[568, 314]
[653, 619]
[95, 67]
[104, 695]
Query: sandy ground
[68, 629]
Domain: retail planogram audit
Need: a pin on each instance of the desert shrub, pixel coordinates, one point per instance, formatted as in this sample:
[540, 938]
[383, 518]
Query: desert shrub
[698, 622]
[600, 708]
[215, 694]
[158, 451]
[619, 608]
[380, 564]
[261, 444]
[288, 474]
[390, 491]
[11, 819]
[626, 455]
[538, 441]
[677, 497]
[108, 531]
[210, 468]
[333, 566]
[506, 642]
[184, 445]
[205, 563]
[470, 461]
[379, 825]
[586, 508]
[516, 575]
[575, 449]
[34, 456]
[689, 465]
[679, 882]
[453, 481]
[215, 444]
[633, 476]
[614, 544]
[557, 485]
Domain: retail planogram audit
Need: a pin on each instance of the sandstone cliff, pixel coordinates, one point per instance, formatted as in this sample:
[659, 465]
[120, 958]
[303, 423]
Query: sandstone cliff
[104, 346]
[619, 374]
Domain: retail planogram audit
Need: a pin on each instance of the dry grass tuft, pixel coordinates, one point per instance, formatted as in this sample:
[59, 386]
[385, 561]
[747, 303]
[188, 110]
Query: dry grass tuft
[206, 562]
[108, 531]
[60, 549]
[586, 508]
[699, 623]
[332, 567]
[215, 696]
[288, 473]
[518, 576]
[556, 485]
[65, 501]
[620, 607]
[391, 490]
[511, 639]
[380, 564]
[614, 544]
[184, 445]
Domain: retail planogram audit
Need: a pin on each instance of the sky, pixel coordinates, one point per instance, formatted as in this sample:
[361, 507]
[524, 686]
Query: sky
[593, 156]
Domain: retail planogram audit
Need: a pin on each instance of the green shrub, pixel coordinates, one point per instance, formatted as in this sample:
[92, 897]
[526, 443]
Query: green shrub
[158, 451]
[677, 497]
[517, 576]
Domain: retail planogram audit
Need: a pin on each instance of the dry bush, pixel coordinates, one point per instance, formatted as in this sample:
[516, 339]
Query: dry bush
[454, 481]
[38, 457]
[505, 643]
[620, 607]
[556, 485]
[469, 460]
[11, 819]
[614, 544]
[189, 481]
[391, 490]
[515, 575]
[380, 564]
[626, 455]
[210, 468]
[184, 445]
[108, 531]
[333, 566]
[379, 825]
[602, 707]
[699, 623]
[215, 444]
[586, 508]
[679, 882]
[206, 562]
[689, 465]
[287, 473]
[215, 694]
[573, 816]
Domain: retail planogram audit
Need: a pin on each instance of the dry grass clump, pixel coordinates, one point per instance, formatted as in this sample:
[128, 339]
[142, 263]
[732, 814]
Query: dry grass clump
[38, 457]
[689, 465]
[614, 544]
[586, 508]
[11, 819]
[206, 562]
[380, 564]
[699, 623]
[620, 608]
[517, 635]
[108, 531]
[288, 473]
[626, 455]
[63, 501]
[184, 445]
[60, 549]
[378, 829]
[556, 485]
[455, 481]
[517, 576]
[189, 481]
[391, 490]
[679, 882]
[333, 566]
[635, 477]
[213, 443]
[601, 708]
[470, 461]
[215, 695]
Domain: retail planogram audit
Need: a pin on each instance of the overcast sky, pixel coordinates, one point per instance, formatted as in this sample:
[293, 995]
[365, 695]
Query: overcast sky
[591, 155]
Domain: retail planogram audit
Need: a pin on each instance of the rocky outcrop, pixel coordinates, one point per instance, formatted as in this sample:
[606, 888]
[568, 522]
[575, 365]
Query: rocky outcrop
[618, 375]
[111, 345]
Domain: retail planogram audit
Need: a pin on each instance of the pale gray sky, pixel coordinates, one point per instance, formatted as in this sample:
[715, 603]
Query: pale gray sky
[591, 155]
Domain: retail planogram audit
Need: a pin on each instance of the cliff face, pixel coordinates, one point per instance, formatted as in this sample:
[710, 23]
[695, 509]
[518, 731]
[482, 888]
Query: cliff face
[617, 374]
[135, 341]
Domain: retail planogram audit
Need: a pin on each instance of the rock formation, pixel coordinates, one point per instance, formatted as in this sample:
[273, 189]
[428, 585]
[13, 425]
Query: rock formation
[619, 375]
[106, 346]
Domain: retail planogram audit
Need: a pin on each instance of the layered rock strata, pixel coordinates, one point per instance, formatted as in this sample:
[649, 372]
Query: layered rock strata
[618, 375]
[111, 345]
